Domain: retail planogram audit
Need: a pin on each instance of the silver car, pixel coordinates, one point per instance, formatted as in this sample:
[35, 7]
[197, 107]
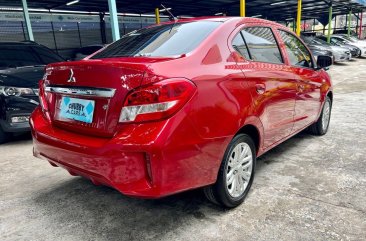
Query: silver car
[361, 44]
[340, 54]
[356, 52]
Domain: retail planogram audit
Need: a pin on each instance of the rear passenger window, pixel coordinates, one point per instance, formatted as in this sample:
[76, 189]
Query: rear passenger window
[262, 45]
[240, 46]
[297, 52]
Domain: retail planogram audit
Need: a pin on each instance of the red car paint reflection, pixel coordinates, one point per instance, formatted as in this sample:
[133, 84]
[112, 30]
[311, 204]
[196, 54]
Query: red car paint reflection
[190, 105]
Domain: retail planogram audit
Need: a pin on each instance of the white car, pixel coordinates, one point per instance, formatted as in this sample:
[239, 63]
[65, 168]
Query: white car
[361, 44]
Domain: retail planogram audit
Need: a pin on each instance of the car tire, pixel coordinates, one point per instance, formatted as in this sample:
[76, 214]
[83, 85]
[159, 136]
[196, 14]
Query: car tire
[4, 137]
[238, 168]
[321, 126]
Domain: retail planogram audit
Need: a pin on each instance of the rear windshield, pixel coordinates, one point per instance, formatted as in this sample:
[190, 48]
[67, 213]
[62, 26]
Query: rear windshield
[160, 41]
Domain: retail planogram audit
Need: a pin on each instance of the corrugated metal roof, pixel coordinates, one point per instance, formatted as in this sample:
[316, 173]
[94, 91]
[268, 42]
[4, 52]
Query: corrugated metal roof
[273, 10]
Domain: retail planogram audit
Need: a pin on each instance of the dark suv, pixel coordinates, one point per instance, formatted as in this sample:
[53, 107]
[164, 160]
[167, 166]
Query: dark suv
[21, 67]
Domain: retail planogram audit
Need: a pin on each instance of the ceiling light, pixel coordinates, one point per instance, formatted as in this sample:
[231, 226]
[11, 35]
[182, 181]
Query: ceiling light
[257, 16]
[164, 10]
[278, 3]
[69, 11]
[72, 2]
[218, 14]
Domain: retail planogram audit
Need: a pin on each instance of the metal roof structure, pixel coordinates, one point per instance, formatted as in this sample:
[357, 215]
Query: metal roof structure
[278, 10]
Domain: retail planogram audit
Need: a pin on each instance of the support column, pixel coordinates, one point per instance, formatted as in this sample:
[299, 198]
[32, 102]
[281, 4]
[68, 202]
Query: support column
[330, 21]
[298, 20]
[113, 19]
[335, 22]
[349, 22]
[157, 16]
[360, 32]
[27, 20]
[102, 28]
[242, 8]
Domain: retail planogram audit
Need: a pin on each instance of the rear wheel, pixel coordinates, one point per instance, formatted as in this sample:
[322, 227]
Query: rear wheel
[320, 127]
[236, 173]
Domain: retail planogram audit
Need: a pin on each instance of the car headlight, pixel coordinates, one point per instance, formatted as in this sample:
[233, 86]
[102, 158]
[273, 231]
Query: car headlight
[15, 91]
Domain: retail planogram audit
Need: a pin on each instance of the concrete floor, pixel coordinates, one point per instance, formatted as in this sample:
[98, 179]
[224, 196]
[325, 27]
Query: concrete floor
[308, 188]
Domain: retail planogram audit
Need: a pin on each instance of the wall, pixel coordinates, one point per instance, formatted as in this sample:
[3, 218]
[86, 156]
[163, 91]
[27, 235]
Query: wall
[66, 32]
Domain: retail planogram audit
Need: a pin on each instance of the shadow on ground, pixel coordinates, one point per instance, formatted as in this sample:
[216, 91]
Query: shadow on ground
[340, 64]
[18, 137]
[106, 211]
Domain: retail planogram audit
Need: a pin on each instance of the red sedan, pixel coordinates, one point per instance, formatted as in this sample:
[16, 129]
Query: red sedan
[182, 105]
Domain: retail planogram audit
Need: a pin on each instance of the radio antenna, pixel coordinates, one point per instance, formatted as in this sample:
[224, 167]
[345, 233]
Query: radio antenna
[172, 17]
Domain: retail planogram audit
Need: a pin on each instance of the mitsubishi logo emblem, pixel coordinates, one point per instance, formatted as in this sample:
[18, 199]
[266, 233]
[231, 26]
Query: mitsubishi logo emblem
[71, 77]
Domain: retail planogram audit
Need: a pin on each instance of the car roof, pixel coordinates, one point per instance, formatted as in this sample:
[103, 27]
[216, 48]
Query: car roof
[20, 43]
[226, 19]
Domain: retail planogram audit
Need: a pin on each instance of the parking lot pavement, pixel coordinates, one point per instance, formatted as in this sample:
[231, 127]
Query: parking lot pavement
[308, 188]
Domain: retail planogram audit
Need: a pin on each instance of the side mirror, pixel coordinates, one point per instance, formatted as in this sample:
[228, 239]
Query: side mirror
[323, 62]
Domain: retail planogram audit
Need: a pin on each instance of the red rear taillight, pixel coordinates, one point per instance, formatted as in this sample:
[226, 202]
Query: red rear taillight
[157, 101]
[43, 99]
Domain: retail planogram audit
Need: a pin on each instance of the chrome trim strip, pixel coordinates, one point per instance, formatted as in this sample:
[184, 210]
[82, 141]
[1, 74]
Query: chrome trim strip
[98, 92]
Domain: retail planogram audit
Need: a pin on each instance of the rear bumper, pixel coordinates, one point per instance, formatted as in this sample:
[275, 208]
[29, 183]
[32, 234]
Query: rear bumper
[14, 127]
[141, 160]
[122, 170]
[14, 106]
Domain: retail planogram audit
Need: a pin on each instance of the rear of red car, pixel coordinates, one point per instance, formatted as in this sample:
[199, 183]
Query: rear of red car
[112, 119]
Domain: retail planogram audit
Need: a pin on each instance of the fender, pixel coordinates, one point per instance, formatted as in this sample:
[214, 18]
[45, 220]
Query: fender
[255, 122]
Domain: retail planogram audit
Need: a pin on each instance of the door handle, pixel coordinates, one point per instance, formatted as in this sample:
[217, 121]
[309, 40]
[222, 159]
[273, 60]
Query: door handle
[260, 88]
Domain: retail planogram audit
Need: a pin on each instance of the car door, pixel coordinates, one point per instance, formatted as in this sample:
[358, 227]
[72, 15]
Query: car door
[269, 80]
[308, 81]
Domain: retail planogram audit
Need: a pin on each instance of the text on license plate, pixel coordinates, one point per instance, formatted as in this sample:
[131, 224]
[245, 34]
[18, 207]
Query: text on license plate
[77, 109]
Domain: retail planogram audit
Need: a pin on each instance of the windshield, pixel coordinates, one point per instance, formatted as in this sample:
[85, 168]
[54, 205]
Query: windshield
[353, 38]
[307, 40]
[349, 39]
[160, 41]
[315, 41]
[320, 41]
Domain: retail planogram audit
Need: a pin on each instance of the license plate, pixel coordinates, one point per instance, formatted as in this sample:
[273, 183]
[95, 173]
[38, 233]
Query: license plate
[77, 109]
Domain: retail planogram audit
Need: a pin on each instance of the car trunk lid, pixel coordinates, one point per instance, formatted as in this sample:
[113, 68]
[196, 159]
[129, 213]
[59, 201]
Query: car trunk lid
[87, 96]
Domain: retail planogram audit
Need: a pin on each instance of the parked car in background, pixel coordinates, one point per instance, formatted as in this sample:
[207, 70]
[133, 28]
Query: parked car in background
[182, 105]
[21, 67]
[86, 51]
[340, 54]
[345, 32]
[361, 44]
[318, 52]
[309, 34]
[352, 38]
[355, 51]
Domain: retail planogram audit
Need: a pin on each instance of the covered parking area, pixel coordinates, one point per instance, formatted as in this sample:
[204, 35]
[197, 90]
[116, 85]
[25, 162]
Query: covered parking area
[305, 189]
[53, 23]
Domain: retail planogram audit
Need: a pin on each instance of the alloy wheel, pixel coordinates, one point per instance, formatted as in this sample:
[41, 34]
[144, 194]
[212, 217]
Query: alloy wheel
[326, 115]
[239, 169]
